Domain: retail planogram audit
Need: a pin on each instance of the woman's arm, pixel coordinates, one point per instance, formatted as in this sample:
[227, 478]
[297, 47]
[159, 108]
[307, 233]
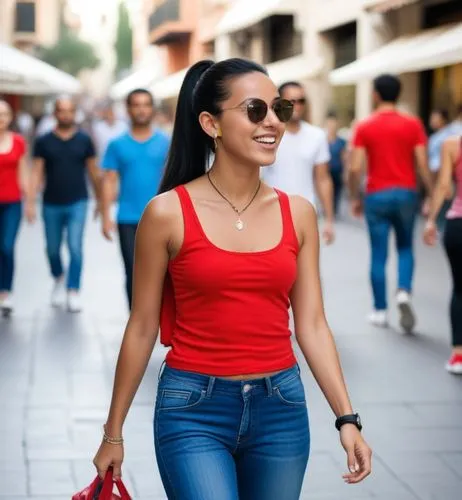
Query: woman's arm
[35, 180]
[150, 266]
[445, 175]
[312, 331]
[24, 177]
[316, 340]
[443, 186]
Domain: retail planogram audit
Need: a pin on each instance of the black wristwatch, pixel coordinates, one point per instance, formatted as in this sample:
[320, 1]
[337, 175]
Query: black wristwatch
[349, 419]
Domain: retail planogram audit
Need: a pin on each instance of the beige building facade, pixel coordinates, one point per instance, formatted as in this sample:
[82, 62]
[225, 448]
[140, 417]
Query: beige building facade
[28, 23]
[308, 40]
[389, 36]
[333, 47]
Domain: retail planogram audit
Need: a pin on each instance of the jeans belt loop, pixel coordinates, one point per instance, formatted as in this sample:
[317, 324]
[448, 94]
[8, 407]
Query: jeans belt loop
[210, 386]
[161, 370]
[269, 386]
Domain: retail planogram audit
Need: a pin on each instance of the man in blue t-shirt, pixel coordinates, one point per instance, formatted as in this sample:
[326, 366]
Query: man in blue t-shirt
[135, 162]
[62, 159]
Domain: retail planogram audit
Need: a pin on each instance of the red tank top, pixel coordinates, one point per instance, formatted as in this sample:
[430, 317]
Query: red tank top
[9, 168]
[227, 313]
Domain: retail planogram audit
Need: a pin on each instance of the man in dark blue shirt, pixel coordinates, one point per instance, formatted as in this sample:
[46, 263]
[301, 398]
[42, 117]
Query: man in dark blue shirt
[61, 160]
[337, 149]
[135, 163]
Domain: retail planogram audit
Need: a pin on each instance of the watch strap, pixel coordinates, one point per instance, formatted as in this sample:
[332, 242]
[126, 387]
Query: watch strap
[348, 419]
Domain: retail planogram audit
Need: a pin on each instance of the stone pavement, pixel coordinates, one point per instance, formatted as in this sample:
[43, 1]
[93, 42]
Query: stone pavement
[56, 373]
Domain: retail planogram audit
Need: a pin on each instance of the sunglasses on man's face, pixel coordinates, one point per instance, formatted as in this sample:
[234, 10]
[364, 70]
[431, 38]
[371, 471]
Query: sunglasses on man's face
[301, 101]
[257, 109]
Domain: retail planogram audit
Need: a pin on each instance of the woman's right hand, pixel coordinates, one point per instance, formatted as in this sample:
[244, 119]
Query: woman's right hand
[30, 211]
[430, 234]
[109, 455]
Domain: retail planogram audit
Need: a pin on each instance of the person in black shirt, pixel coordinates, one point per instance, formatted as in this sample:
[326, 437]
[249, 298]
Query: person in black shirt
[61, 159]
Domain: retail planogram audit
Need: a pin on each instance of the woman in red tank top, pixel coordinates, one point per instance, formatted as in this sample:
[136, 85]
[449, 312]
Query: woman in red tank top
[13, 182]
[450, 172]
[220, 257]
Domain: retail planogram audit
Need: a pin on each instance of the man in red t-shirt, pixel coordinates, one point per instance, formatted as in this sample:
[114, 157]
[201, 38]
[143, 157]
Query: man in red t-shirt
[394, 145]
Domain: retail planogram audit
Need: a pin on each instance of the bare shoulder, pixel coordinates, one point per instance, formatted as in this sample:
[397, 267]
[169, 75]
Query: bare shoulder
[301, 208]
[304, 217]
[453, 143]
[162, 211]
[452, 149]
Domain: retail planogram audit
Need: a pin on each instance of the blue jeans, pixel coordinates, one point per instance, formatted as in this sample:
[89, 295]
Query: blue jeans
[337, 181]
[231, 440]
[10, 218]
[397, 209]
[71, 218]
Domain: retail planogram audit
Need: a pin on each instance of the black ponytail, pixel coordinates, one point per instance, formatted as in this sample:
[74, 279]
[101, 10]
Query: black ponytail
[203, 89]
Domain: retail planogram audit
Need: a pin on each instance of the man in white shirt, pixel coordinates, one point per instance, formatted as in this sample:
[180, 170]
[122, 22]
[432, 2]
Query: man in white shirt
[106, 129]
[301, 166]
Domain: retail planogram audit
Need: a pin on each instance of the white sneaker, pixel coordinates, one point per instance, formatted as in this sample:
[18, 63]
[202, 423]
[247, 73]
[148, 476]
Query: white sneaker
[6, 305]
[378, 318]
[74, 303]
[58, 295]
[407, 316]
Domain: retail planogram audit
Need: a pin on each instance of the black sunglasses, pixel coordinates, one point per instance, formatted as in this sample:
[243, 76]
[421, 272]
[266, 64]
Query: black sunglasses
[257, 109]
[302, 100]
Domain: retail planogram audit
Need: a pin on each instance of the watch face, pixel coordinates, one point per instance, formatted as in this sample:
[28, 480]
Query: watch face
[358, 420]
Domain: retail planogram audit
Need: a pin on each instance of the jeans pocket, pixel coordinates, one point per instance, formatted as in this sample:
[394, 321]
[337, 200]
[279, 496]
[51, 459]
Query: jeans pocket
[170, 399]
[291, 392]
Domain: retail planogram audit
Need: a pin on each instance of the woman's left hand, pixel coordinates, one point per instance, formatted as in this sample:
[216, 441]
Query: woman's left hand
[358, 454]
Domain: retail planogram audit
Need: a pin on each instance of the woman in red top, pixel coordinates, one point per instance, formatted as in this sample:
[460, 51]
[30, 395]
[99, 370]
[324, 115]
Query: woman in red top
[219, 259]
[12, 187]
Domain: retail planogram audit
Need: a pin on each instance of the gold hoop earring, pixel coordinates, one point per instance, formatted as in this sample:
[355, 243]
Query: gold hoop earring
[215, 142]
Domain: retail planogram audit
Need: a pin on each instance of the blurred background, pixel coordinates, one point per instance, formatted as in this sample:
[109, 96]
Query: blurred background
[56, 369]
[106, 48]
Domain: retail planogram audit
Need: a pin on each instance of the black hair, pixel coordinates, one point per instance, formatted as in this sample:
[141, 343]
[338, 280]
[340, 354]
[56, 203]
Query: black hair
[332, 114]
[128, 100]
[205, 86]
[444, 113]
[459, 109]
[286, 85]
[388, 87]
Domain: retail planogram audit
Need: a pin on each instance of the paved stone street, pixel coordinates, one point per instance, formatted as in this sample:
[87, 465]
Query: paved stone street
[56, 373]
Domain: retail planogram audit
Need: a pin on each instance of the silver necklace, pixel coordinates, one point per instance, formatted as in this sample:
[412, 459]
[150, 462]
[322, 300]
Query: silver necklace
[239, 224]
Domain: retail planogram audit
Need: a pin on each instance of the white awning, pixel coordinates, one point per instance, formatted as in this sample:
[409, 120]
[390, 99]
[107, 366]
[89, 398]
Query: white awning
[245, 13]
[142, 78]
[20, 73]
[386, 5]
[428, 49]
[294, 68]
[169, 86]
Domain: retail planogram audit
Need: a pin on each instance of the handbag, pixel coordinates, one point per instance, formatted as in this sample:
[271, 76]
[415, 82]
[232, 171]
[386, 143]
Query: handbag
[103, 489]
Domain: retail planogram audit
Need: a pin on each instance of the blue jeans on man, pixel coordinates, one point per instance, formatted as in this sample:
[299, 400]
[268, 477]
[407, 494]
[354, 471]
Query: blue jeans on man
[384, 210]
[10, 218]
[69, 218]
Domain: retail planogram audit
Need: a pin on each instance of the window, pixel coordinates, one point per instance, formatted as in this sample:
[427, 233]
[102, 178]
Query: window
[283, 40]
[25, 17]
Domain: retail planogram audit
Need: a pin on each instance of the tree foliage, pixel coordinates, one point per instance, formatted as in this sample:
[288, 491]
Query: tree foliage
[124, 39]
[70, 53]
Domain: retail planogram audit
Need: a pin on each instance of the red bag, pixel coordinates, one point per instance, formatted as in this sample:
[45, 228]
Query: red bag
[103, 490]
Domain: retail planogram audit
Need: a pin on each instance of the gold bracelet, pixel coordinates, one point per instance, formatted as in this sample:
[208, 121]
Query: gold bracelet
[111, 440]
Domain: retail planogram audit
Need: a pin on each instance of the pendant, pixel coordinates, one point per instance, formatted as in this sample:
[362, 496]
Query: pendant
[239, 225]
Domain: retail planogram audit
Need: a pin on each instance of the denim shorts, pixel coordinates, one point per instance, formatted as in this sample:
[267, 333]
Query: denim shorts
[219, 439]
